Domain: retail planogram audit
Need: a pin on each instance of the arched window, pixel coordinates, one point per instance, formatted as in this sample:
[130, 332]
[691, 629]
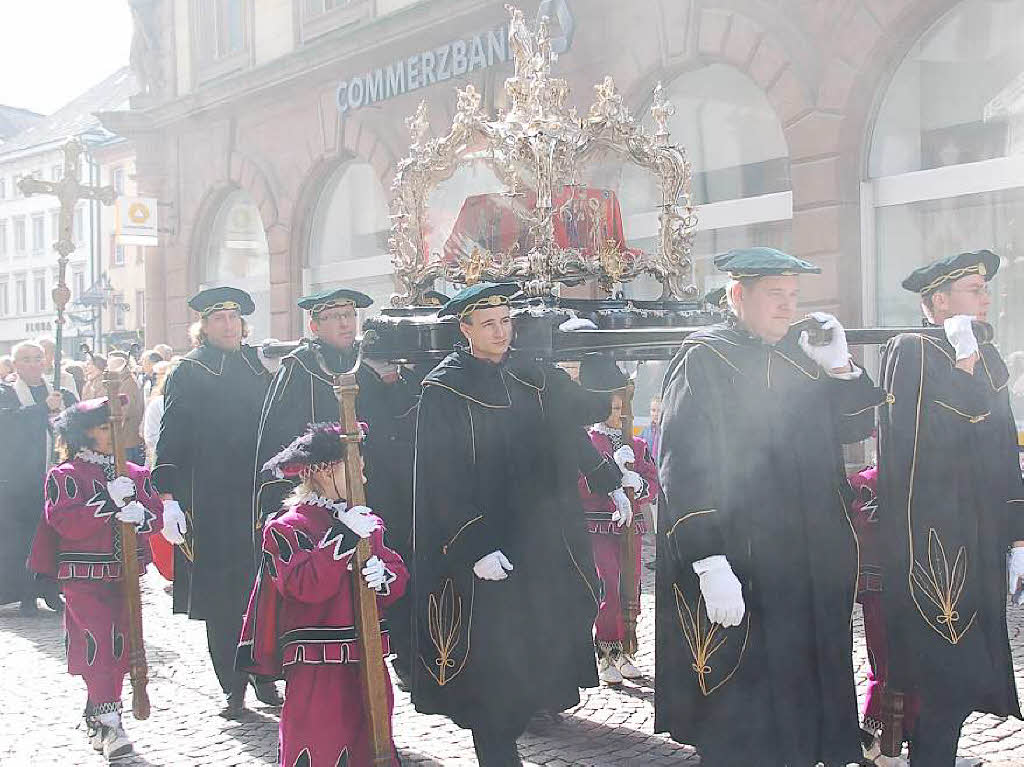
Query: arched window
[741, 182]
[946, 164]
[349, 238]
[238, 255]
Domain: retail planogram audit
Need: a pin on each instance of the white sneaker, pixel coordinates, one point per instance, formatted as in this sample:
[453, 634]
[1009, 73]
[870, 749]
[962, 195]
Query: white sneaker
[607, 672]
[96, 736]
[624, 663]
[115, 743]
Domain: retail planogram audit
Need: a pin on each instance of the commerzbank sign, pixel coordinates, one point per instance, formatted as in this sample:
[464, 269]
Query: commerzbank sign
[452, 60]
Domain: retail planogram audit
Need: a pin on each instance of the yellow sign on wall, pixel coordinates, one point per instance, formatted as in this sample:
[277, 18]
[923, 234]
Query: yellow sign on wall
[137, 221]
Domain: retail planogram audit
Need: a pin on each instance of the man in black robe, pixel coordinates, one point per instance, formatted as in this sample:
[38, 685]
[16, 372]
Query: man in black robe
[951, 502]
[205, 469]
[758, 558]
[302, 392]
[26, 406]
[505, 590]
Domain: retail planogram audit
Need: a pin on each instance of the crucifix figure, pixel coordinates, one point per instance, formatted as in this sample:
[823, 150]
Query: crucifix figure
[69, 190]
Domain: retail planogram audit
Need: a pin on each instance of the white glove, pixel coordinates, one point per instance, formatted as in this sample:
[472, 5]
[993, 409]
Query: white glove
[133, 513]
[358, 519]
[721, 590]
[623, 514]
[632, 480]
[836, 353]
[120, 489]
[174, 523]
[961, 335]
[624, 455]
[1015, 568]
[492, 567]
[375, 574]
[576, 323]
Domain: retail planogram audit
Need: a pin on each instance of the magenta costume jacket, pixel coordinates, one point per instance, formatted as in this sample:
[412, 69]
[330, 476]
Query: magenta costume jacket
[300, 610]
[78, 537]
[598, 507]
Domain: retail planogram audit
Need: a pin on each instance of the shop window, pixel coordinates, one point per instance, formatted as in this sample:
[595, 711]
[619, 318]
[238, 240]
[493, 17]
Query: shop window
[946, 165]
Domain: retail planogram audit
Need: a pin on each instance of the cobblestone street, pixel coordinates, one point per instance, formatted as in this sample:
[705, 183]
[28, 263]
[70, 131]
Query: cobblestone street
[42, 707]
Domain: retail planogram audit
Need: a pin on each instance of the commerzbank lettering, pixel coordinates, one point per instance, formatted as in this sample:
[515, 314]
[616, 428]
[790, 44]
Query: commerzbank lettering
[454, 59]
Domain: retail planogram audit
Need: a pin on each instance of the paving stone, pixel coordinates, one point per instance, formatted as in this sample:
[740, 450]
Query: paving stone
[611, 727]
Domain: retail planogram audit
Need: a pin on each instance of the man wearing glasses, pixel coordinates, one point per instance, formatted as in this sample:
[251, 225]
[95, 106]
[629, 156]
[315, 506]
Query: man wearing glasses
[303, 392]
[951, 502]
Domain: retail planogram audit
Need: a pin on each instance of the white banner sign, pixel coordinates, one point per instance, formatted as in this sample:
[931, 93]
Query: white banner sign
[136, 221]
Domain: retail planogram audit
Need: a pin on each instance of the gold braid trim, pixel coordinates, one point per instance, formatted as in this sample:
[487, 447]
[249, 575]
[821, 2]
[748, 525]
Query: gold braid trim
[953, 276]
[219, 307]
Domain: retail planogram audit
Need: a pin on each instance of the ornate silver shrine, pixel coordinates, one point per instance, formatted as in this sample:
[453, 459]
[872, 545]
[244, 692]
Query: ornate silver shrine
[544, 212]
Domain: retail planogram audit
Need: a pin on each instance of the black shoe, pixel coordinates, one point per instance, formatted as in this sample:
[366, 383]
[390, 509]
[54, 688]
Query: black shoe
[235, 706]
[54, 602]
[236, 700]
[266, 692]
[496, 750]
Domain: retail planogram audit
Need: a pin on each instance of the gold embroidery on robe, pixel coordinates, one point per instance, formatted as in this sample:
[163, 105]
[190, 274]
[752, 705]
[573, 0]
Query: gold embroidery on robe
[705, 639]
[445, 619]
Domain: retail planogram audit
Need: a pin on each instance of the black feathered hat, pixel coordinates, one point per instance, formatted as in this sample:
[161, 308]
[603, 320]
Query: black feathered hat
[599, 373]
[73, 422]
[320, 447]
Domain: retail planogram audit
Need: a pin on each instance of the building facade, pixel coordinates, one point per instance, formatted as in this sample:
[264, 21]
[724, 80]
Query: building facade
[29, 229]
[868, 136]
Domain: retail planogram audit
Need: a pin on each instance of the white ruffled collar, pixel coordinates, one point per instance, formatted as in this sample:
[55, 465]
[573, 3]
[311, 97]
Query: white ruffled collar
[91, 456]
[608, 431]
[332, 505]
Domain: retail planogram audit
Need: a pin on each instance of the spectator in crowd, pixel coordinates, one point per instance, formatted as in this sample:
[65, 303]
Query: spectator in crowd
[150, 427]
[76, 370]
[66, 380]
[26, 405]
[165, 351]
[94, 367]
[148, 360]
[6, 367]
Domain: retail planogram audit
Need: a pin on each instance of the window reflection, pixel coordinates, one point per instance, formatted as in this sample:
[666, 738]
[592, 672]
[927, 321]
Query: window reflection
[958, 96]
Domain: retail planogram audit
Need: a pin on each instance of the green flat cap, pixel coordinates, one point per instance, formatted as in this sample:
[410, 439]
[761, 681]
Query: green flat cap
[762, 262]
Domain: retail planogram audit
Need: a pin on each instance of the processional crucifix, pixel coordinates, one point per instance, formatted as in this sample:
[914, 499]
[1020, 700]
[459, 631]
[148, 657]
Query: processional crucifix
[69, 190]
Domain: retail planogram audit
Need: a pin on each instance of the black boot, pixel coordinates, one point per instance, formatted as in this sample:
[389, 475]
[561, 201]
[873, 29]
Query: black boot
[496, 749]
[266, 691]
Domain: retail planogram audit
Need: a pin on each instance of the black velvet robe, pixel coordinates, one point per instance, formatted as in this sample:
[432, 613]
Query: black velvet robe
[303, 392]
[206, 457]
[752, 468]
[498, 451]
[951, 501]
[23, 462]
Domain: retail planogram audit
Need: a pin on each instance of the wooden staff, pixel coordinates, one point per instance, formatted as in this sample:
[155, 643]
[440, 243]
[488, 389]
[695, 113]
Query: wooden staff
[371, 648]
[892, 723]
[629, 591]
[129, 560]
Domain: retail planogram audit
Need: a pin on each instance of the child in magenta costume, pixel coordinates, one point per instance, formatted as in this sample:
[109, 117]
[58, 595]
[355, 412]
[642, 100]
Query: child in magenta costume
[79, 544]
[870, 582]
[608, 515]
[301, 622]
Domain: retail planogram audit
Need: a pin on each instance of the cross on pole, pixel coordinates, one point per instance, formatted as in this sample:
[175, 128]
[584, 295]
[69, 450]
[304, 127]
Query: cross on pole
[69, 190]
